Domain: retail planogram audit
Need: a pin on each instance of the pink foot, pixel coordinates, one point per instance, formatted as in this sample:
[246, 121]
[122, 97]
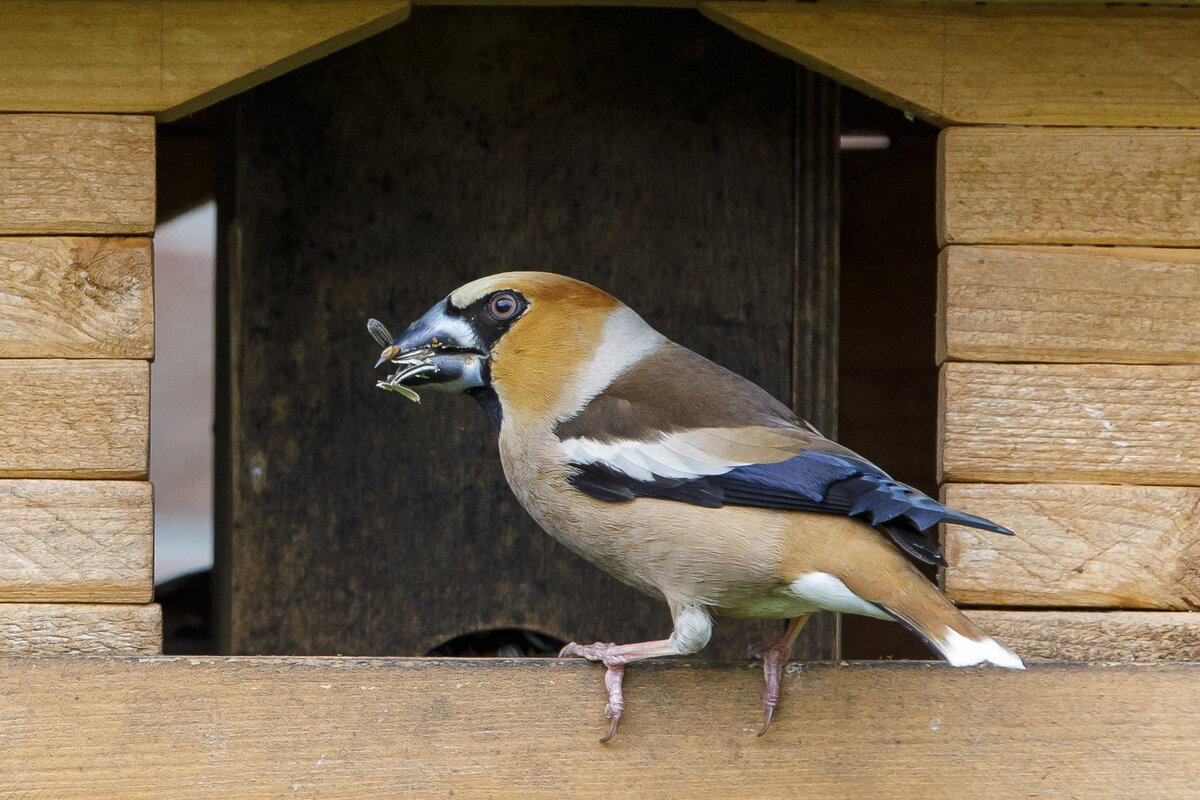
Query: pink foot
[773, 658]
[608, 654]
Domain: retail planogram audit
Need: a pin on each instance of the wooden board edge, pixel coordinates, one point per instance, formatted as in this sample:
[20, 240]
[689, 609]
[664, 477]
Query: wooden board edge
[298, 59]
[342, 728]
[737, 16]
[79, 629]
[1089, 635]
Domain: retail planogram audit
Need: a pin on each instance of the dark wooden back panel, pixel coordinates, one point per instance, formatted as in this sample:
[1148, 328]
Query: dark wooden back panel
[647, 151]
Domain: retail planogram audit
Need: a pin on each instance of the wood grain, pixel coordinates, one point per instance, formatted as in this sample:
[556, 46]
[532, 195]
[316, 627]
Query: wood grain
[76, 541]
[74, 418]
[169, 57]
[70, 297]
[1098, 423]
[1110, 636]
[1069, 186]
[1076, 545]
[73, 629]
[1132, 305]
[62, 173]
[986, 63]
[353, 728]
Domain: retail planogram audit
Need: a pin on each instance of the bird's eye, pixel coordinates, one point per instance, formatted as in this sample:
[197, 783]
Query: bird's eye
[503, 305]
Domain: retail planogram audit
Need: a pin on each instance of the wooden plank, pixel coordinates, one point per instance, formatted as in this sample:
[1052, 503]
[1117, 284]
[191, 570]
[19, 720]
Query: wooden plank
[1069, 186]
[1099, 423]
[1112, 636]
[77, 629]
[167, 57]
[562, 3]
[76, 541]
[70, 297]
[64, 173]
[74, 418]
[1132, 305]
[982, 63]
[1076, 545]
[352, 728]
[435, 515]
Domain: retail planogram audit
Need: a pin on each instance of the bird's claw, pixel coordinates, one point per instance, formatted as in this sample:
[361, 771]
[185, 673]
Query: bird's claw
[613, 676]
[773, 658]
[769, 712]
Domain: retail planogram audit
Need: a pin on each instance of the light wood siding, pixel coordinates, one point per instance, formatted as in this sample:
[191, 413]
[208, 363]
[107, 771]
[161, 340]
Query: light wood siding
[73, 297]
[1132, 305]
[1076, 546]
[72, 629]
[76, 541]
[76, 173]
[1114, 186]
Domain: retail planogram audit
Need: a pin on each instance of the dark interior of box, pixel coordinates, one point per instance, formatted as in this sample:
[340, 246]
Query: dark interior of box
[659, 160]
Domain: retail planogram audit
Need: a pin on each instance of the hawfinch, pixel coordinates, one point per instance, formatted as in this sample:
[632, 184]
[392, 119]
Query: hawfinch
[679, 477]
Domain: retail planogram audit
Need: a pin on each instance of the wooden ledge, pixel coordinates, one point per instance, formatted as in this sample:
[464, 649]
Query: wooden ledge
[349, 727]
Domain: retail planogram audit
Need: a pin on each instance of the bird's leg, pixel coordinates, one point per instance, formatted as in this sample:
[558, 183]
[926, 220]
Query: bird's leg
[693, 626]
[773, 658]
[615, 657]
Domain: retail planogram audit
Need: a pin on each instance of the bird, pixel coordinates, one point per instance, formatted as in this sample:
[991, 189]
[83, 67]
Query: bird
[681, 478]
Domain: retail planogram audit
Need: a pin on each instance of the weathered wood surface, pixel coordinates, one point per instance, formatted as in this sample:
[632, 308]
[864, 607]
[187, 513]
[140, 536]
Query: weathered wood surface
[1069, 186]
[1110, 636]
[486, 111]
[76, 541]
[353, 728]
[1099, 423]
[74, 418]
[167, 56]
[71, 297]
[561, 3]
[986, 63]
[1076, 545]
[1133, 305]
[65, 173]
[42, 629]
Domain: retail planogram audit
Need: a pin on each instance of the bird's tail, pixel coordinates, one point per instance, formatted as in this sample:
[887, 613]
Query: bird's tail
[961, 642]
[917, 604]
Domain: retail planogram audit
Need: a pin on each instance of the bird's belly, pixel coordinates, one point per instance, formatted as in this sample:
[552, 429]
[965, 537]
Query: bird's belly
[685, 553]
[814, 591]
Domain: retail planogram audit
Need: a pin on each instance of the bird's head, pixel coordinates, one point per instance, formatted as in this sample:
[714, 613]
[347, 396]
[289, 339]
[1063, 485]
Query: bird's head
[522, 343]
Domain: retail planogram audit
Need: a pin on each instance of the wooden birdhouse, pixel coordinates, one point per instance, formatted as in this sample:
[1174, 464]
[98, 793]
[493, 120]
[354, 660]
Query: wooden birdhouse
[684, 155]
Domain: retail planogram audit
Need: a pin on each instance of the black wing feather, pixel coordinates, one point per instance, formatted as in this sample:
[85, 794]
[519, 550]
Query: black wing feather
[822, 483]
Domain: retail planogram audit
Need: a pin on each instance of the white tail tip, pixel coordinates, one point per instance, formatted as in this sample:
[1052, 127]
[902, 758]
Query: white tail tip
[963, 652]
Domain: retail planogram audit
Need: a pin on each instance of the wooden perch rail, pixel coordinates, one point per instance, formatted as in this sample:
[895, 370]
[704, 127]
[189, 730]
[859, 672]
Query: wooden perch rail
[353, 728]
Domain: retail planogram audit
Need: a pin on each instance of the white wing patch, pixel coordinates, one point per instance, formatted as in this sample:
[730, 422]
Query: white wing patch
[668, 457]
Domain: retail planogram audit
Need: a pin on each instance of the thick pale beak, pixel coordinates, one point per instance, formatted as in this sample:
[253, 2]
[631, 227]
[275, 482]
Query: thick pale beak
[449, 343]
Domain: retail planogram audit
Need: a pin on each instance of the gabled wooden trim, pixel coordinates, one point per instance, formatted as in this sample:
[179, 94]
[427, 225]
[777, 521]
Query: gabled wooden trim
[1071, 64]
[167, 57]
